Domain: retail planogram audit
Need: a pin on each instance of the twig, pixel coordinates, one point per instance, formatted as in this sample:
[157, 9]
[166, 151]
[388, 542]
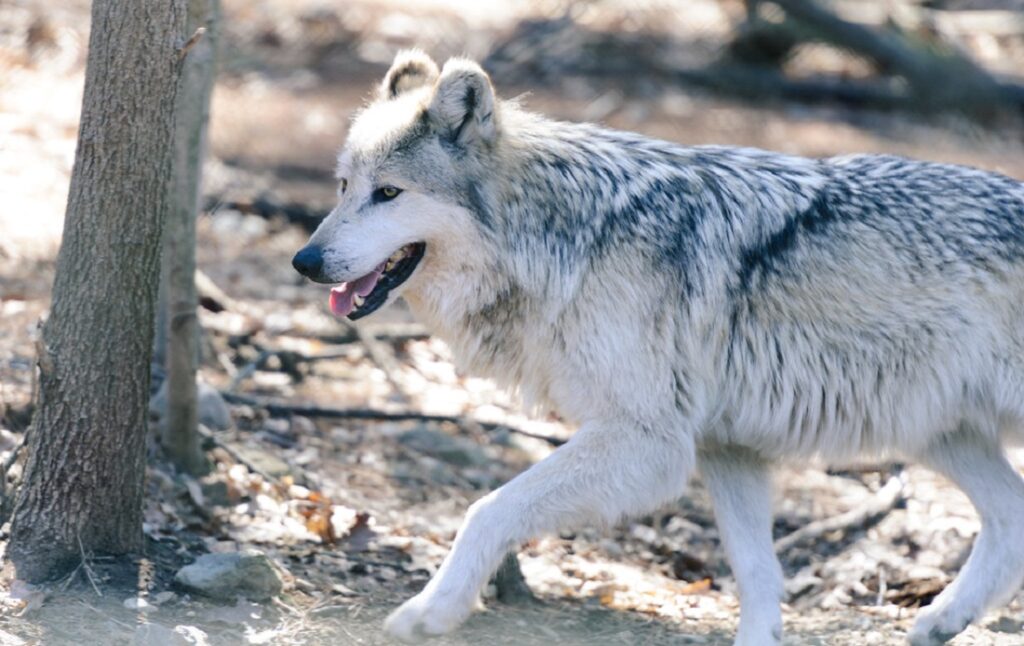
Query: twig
[86, 568]
[213, 297]
[886, 499]
[351, 556]
[108, 617]
[332, 608]
[390, 332]
[191, 42]
[235, 454]
[284, 410]
[12, 458]
[66, 583]
[249, 369]
[284, 606]
[225, 362]
[286, 356]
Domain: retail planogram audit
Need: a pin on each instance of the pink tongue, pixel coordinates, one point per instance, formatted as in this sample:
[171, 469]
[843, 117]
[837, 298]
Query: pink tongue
[342, 296]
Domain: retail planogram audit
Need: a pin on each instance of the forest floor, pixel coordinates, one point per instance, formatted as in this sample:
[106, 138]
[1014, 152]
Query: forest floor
[358, 513]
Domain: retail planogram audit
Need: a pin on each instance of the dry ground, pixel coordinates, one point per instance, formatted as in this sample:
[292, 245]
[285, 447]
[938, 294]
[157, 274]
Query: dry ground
[359, 513]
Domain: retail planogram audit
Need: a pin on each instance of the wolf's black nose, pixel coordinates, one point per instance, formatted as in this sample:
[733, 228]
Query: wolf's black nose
[309, 261]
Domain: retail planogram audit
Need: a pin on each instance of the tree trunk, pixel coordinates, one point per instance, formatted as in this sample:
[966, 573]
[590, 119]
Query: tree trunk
[83, 485]
[180, 432]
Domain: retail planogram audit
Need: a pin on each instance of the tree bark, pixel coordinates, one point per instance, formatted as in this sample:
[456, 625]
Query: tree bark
[180, 432]
[83, 485]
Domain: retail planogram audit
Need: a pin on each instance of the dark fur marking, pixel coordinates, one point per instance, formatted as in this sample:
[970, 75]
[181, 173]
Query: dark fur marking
[770, 254]
[478, 205]
[411, 137]
[410, 68]
[469, 101]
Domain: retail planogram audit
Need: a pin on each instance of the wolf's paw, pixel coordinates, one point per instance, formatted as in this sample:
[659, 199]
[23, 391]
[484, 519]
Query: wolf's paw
[936, 626]
[426, 615]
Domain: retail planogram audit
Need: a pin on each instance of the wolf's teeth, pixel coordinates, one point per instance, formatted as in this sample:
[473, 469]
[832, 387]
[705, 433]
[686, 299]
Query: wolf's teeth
[358, 300]
[389, 265]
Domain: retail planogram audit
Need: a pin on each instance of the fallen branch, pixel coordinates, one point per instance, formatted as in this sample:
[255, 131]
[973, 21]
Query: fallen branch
[387, 331]
[236, 455]
[939, 80]
[887, 49]
[916, 77]
[249, 369]
[758, 82]
[884, 501]
[213, 297]
[284, 410]
[266, 207]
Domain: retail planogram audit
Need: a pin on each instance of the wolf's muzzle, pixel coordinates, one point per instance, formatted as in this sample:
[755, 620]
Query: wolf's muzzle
[309, 262]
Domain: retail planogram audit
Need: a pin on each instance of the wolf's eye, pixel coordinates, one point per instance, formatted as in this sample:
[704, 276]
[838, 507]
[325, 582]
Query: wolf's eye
[385, 193]
[342, 186]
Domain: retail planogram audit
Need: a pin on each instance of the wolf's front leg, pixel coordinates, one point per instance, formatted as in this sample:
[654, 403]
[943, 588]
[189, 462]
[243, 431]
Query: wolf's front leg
[739, 483]
[606, 472]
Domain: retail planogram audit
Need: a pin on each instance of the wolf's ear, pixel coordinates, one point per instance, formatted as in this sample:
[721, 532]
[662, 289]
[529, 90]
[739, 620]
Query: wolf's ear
[411, 69]
[463, 105]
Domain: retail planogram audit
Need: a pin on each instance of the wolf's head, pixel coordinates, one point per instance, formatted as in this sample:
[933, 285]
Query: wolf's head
[407, 184]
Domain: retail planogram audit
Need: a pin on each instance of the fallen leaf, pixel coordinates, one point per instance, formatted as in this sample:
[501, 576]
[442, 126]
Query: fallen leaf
[697, 587]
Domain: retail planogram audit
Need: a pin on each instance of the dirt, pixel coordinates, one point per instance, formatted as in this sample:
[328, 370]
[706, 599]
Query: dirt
[359, 513]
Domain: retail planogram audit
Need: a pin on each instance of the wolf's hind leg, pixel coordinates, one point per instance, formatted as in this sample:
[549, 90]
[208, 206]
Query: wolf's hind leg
[739, 483]
[995, 569]
[604, 473]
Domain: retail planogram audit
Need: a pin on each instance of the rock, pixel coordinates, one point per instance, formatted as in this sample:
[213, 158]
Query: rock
[302, 426]
[802, 583]
[343, 590]
[138, 603]
[453, 450]
[248, 574]
[1006, 625]
[277, 425]
[262, 460]
[212, 409]
[215, 492]
[160, 598]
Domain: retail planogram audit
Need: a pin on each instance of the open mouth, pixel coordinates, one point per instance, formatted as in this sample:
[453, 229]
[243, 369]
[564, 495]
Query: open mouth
[355, 299]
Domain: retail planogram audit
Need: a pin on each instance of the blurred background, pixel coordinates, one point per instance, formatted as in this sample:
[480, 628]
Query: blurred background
[358, 512]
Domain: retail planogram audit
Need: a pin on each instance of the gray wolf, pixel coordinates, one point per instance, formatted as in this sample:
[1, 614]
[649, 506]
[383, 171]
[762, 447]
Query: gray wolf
[711, 308]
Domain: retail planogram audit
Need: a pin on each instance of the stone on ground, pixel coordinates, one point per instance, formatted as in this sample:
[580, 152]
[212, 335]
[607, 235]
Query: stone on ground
[231, 575]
